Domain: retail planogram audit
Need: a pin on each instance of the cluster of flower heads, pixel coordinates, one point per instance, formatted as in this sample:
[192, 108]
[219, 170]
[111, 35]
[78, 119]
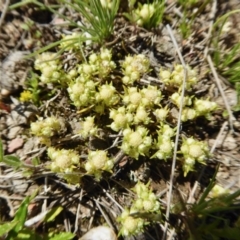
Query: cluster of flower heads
[26, 96]
[192, 106]
[85, 88]
[106, 96]
[98, 65]
[176, 77]
[88, 128]
[148, 97]
[134, 67]
[143, 13]
[50, 67]
[146, 127]
[146, 202]
[164, 144]
[121, 118]
[65, 162]
[133, 110]
[46, 128]
[98, 162]
[136, 142]
[139, 103]
[82, 91]
[193, 150]
[147, 15]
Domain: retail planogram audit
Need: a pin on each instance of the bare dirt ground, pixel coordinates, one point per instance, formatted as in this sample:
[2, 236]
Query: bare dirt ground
[28, 28]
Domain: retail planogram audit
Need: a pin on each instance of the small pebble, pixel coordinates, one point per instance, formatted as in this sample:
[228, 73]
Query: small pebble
[99, 233]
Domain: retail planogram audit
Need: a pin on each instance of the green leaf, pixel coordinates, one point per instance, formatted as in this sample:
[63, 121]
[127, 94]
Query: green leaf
[27, 234]
[20, 217]
[209, 187]
[225, 114]
[51, 215]
[6, 227]
[28, 173]
[99, 18]
[1, 151]
[227, 233]
[21, 213]
[12, 161]
[232, 197]
[34, 194]
[36, 161]
[62, 236]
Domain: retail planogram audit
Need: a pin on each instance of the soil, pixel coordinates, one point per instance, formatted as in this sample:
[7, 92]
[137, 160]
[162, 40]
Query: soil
[27, 29]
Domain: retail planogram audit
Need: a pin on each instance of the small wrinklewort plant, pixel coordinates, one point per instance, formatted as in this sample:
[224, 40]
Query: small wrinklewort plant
[146, 126]
[146, 202]
[147, 15]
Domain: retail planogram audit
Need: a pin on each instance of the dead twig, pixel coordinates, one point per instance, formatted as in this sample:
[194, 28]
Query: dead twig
[178, 130]
[76, 225]
[103, 213]
[4, 12]
[218, 83]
